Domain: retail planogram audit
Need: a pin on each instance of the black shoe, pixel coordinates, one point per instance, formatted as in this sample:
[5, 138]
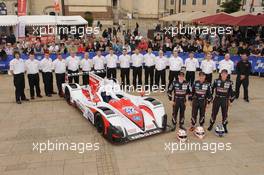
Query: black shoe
[32, 98]
[39, 96]
[225, 128]
[54, 92]
[210, 127]
[246, 100]
[25, 99]
[18, 102]
[49, 95]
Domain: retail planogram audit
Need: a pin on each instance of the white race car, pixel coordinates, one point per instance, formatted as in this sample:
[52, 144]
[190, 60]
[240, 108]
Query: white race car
[119, 116]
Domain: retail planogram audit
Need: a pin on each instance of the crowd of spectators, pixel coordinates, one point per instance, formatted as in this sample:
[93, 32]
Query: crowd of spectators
[241, 41]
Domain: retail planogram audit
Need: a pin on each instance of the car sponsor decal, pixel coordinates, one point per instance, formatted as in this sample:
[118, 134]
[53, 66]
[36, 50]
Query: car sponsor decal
[136, 118]
[145, 134]
[130, 110]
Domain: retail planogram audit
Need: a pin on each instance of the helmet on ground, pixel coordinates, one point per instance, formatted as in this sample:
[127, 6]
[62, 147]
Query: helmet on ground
[182, 135]
[199, 132]
[219, 130]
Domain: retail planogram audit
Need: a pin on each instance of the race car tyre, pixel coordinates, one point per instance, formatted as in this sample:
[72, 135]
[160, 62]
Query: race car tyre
[67, 95]
[164, 122]
[99, 123]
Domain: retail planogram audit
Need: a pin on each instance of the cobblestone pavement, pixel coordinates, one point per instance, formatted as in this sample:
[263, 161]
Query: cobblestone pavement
[54, 120]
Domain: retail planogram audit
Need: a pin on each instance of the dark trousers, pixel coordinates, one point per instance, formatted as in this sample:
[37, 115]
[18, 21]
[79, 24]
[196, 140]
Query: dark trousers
[173, 75]
[149, 75]
[198, 105]
[219, 102]
[179, 106]
[190, 77]
[245, 83]
[75, 78]
[85, 77]
[111, 73]
[209, 78]
[33, 81]
[137, 76]
[19, 83]
[125, 76]
[60, 78]
[160, 75]
[47, 80]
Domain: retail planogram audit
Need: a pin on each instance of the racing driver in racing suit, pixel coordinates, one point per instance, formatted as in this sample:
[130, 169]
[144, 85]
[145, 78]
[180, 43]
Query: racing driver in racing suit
[181, 89]
[201, 96]
[224, 94]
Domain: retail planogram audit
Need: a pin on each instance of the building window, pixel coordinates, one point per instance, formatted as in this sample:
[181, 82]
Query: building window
[193, 2]
[171, 11]
[218, 2]
[172, 2]
[183, 2]
[204, 2]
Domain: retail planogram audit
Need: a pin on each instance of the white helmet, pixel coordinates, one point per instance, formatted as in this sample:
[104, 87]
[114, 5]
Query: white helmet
[182, 135]
[219, 130]
[199, 132]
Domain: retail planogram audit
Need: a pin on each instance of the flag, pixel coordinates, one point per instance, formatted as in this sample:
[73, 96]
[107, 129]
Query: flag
[21, 7]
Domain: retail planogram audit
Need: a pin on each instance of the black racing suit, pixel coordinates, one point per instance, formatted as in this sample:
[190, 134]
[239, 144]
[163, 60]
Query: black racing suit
[180, 91]
[223, 94]
[201, 95]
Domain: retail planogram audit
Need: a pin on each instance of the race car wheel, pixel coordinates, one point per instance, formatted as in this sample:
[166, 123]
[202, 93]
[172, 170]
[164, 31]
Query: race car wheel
[99, 124]
[67, 95]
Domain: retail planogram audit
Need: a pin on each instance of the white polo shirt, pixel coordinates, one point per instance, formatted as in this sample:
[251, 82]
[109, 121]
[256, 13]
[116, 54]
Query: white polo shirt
[208, 66]
[32, 66]
[124, 61]
[46, 65]
[149, 59]
[17, 66]
[99, 62]
[137, 60]
[226, 64]
[175, 63]
[191, 64]
[111, 61]
[160, 63]
[59, 66]
[73, 63]
[86, 64]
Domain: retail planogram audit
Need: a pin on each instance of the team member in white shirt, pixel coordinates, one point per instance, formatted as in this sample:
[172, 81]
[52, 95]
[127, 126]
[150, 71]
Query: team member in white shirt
[208, 67]
[175, 65]
[111, 64]
[124, 61]
[137, 61]
[86, 66]
[149, 61]
[46, 67]
[73, 63]
[99, 64]
[227, 64]
[32, 68]
[191, 64]
[17, 69]
[59, 66]
[160, 69]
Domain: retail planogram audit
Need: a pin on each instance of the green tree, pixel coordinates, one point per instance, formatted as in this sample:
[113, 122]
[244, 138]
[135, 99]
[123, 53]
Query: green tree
[231, 6]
